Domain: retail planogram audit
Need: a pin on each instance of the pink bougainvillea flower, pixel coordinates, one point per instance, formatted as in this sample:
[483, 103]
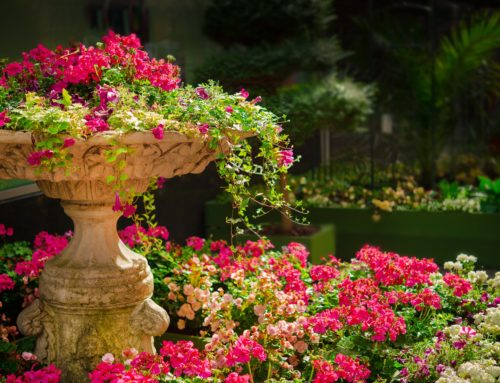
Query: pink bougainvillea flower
[256, 100]
[96, 124]
[68, 142]
[129, 210]
[244, 93]
[6, 231]
[35, 158]
[285, 158]
[158, 132]
[118, 205]
[6, 283]
[160, 182]
[202, 93]
[3, 118]
[106, 95]
[229, 109]
[203, 128]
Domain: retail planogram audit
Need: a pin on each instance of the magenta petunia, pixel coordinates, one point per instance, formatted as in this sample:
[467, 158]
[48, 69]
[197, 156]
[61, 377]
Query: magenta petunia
[229, 109]
[3, 118]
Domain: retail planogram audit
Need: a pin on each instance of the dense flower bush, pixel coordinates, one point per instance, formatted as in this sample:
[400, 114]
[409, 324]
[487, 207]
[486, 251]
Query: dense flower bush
[70, 94]
[20, 266]
[267, 315]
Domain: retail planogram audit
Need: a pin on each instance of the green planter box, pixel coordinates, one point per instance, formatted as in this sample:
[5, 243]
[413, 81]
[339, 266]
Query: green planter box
[438, 235]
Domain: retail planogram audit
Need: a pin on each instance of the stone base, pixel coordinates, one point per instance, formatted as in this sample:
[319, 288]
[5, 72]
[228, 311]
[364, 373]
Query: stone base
[94, 298]
[77, 339]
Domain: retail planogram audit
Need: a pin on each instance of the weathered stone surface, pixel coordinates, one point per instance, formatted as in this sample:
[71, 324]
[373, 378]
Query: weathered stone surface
[95, 295]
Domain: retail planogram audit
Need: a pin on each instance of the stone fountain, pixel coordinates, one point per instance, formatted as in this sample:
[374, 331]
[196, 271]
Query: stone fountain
[95, 297]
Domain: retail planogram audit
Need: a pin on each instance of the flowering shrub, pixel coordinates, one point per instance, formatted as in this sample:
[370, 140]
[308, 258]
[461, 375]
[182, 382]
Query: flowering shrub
[20, 266]
[267, 315]
[68, 94]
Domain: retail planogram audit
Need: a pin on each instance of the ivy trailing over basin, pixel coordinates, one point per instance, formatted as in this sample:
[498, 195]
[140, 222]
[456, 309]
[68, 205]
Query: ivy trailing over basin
[66, 95]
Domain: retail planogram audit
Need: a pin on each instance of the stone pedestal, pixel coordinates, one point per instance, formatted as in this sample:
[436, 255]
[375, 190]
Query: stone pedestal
[95, 297]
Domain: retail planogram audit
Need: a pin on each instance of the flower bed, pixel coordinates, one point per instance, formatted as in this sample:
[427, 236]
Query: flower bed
[398, 214]
[270, 316]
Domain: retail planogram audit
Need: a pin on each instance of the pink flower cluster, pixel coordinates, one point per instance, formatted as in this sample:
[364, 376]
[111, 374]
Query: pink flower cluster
[243, 350]
[6, 231]
[285, 158]
[134, 235]
[346, 369]
[185, 359]
[6, 283]
[459, 285]
[49, 374]
[84, 65]
[46, 246]
[361, 303]
[180, 359]
[392, 269]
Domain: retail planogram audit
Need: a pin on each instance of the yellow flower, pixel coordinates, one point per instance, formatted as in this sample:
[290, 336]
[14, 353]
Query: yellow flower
[382, 205]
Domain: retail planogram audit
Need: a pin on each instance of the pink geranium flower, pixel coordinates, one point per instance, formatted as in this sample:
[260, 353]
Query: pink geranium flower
[6, 283]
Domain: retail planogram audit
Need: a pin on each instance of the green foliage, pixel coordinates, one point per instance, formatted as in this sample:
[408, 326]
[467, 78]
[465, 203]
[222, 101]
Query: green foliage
[425, 90]
[255, 22]
[337, 103]
[263, 68]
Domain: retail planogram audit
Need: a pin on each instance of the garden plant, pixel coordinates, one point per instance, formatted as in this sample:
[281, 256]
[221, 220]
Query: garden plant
[268, 316]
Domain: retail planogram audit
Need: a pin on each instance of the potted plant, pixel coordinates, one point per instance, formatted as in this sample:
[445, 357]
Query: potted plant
[93, 126]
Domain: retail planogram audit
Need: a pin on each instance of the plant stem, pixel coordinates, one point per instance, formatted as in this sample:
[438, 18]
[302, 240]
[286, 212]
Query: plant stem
[286, 222]
[311, 376]
[250, 372]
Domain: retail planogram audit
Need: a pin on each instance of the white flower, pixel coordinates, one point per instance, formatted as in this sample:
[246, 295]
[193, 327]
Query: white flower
[466, 258]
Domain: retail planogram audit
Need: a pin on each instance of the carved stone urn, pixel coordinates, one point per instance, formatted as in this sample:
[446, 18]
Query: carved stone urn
[95, 297]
